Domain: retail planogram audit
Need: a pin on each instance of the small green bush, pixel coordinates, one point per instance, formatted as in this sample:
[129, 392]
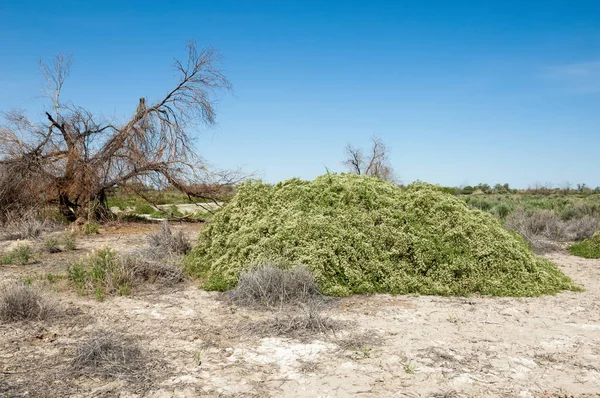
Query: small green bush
[358, 234]
[91, 228]
[20, 255]
[68, 241]
[23, 254]
[589, 248]
[502, 210]
[6, 259]
[102, 272]
[480, 203]
[105, 273]
[55, 244]
[52, 245]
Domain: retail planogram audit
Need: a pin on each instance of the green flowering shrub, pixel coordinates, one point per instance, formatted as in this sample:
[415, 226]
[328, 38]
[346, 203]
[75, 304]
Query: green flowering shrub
[359, 234]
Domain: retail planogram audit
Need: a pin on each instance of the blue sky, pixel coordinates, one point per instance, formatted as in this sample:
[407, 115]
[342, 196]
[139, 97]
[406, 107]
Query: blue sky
[462, 91]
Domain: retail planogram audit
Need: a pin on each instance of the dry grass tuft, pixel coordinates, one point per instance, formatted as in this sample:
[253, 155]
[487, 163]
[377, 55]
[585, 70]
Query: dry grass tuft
[27, 226]
[109, 355]
[581, 228]
[360, 341]
[31, 227]
[301, 321]
[20, 302]
[268, 285]
[145, 270]
[308, 366]
[165, 242]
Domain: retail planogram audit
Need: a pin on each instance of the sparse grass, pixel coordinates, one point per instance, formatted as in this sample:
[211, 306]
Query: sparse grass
[165, 243]
[22, 254]
[109, 355]
[6, 259]
[56, 244]
[357, 340]
[269, 284]
[104, 272]
[101, 272]
[91, 228]
[52, 245]
[360, 342]
[409, 368]
[52, 278]
[201, 215]
[22, 302]
[69, 242]
[589, 248]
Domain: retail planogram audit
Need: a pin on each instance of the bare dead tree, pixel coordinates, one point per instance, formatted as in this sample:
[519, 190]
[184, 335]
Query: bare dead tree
[79, 156]
[375, 163]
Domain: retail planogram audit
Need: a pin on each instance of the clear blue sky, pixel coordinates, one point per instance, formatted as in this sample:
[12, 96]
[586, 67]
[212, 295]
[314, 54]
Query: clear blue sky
[462, 91]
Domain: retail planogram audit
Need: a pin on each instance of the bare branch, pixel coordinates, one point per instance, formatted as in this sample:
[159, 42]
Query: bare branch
[81, 156]
[56, 73]
[377, 164]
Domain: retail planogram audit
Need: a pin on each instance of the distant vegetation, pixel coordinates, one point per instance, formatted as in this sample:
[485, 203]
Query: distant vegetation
[537, 189]
[544, 217]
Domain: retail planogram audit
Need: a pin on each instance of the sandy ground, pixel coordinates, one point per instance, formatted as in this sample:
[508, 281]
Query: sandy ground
[406, 346]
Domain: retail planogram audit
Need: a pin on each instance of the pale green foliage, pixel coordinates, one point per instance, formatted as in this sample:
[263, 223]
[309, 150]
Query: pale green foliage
[22, 254]
[65, 242]
[360, 234]
[589, 248]
[102, 272]
[91, 228]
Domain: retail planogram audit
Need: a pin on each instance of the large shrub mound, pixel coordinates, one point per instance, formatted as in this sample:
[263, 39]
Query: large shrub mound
[362, 235]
